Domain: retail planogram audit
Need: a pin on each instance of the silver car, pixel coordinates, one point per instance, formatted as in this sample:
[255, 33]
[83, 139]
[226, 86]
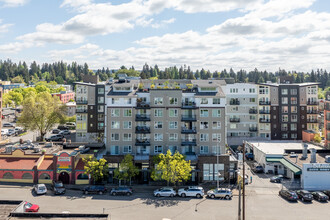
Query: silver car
[165, 191]
[220, 193]
[40, 189]
[193, 192]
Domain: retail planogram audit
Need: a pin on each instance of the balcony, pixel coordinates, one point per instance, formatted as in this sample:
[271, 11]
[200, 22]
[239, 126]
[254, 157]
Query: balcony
[253, 129]
[314, 111]
[328, 128]
[142, 105]
[253, 111]
[264, 102]
[142, 117]
[188, 105]
[312, 120]
[188, 118]
[185, 130]
[142, 129]
[81, 110]
[262, 111]
[234, 119]
[234, 102]
[81, 102]
[312, 102]
[188, 142]
[142, 142]
[264, 120]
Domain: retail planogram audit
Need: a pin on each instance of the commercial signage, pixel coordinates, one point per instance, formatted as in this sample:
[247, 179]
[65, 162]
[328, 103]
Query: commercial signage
[64, 159]
[319, 167]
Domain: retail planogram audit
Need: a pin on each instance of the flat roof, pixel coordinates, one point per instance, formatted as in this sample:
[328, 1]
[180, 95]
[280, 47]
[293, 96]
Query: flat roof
[278, 147]
[298, 161]
[17, 163]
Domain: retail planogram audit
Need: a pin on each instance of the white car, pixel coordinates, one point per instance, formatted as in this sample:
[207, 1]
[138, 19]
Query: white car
[191, 191]
[4, 131]
[220, 193]
[11, 132]
[8, 125]
[165, 191]
[40, 189]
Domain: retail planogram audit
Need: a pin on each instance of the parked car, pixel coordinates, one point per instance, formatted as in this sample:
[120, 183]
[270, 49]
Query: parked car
[8, 125]
[194, 192]
[320, 196]
[288, 195]
[29, 207]
[57, 137]
[65, 132]
[95, 189]
[220, 193]
[165, 191]
[4, 131]
[56, 131]
[58, 187]
[71, 125]
[11, 132]
[82, 149]
[327, 192]
[258, 169]
[62, 127]
[304, 195]
[276, 179]
[40, 189]
[122, 190]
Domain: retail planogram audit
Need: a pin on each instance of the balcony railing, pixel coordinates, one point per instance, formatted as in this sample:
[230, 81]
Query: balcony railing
[311, 120]
[188, 141]
[253, 129]
[142, 129]
[312, 102]
[262, 111]
[84, 102]
[142, 105]
[142, 117]
[188, 118]
[312, 111]
[185, 130]
[81, 110]
[234, 102]
[188, 105]
[234, 119]
[264, 120]
[142, 142]
[264, 102]
[253, 111]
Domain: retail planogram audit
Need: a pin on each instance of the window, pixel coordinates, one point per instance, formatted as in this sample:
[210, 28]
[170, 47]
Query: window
[216, 137]
[293, 91]
[127, 137]
[293, 109]
[173, 113]
[158, 149]
[285, 118]
[204, 150]
[115, 113]
[233, 90]
[285, 109]
[158, 137]
[253, 117]
[127, 149]
[284, 127]
[173, 149]
[284, 100]
[253, 100]
[233, 126]
[294, 118]
[158, 124]
[100, 91]
[100, 99]
[204, 113]
[204, 125]
[285, 135]
[284, 91]
[158, 113]
[100, 125]
[114, 150]
[204, 137]
[293, 136]
[127, 112]
[115, 137]
[127, 124]
[173, 101]
[173, 137]
[216, 150]
[293, 127]
[127, 101]
[100, 117]
[216, 125]
[216, 101]
[100, 108]
[27, 176]
[158, 100]
[115, 125]
[293, 100]
[216, 112]
[204, 101]
[173, 125]
[252, 90]
[115, 101]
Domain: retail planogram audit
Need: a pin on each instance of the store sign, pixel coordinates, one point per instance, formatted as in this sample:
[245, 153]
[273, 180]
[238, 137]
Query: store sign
[64, 159]
[319, 167]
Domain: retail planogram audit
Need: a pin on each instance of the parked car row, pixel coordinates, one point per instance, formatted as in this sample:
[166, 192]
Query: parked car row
[305, 195]
[57, 187]
[12, 131]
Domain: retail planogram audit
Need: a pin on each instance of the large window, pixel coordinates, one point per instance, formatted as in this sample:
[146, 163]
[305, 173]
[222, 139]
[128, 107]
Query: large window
[211, 172]
[216, 101]
[204, 101]
[115, 125]
[216, 125]
[127, 112]
[204, 113]
[204, 125]
[204, 137]
[100, 91]
[285, 118]
[158, 113]
[158, 149]
[127, 137]
[216, 113]
[114, 150]
[115, 113]
[293, 100]
[294, 109]
[173, 137]
[127, 124]
[158, 137]
[173, 113]
[285, 109]
[158, 124]
[216, 137]
[204, 150]
[293, 127]
[114, 137]
[127, 149]
[27, 176]
[173, 125]
[158, 100]
[284, 91]
[173, 101]
[284, 100]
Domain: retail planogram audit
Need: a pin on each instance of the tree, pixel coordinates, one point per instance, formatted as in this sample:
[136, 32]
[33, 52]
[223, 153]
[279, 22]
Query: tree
[17, 79]
[12, 98]
[98, 169]
[126, 169]
[171, 168]
[317, 138]
[41, 112]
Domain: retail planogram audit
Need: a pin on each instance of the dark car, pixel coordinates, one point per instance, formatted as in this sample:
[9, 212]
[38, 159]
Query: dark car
[62, 127]
[320, 196]
[258, 169]
[56, 131]
[58, 187]
[122, 190]
[327, 192]
[57, 137]
[276, 179]
[304, 195]
[95, 189]
[288, 195]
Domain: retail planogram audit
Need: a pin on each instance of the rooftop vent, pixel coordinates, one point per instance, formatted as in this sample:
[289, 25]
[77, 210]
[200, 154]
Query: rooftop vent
[293, 154]
[210, 82]
[327, 159]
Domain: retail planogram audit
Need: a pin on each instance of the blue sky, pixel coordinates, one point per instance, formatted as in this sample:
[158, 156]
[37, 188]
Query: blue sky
[210, 34]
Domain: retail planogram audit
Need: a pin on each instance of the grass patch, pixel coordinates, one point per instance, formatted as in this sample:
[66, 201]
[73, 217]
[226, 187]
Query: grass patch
[20, 135]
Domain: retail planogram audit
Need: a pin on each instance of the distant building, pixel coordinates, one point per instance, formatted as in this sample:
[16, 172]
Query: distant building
[7, 86]
[1, 94]
[327, 121]
[65, 96]
[70, 109]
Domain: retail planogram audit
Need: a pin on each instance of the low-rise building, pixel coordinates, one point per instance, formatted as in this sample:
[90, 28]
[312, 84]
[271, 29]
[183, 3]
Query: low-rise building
[65, 96]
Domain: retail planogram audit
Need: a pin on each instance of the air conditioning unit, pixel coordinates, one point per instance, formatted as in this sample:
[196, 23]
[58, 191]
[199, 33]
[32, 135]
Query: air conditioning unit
[293, 154]
[327, 159]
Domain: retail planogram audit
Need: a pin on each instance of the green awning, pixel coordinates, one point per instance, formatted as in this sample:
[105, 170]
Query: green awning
[285, 163]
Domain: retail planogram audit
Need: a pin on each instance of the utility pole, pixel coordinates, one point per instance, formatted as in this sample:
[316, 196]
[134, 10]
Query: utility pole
[218, 164]
[239, 200]
[244, 180]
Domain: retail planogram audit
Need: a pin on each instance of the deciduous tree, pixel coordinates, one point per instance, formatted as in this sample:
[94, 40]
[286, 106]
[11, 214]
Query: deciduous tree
[98, 169]
[126, 169]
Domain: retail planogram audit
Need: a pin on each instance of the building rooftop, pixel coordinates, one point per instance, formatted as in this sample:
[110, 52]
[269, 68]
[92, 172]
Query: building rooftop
[17, 163]
[290, 84]
[279, 147]
[298, 161]
[47, 164]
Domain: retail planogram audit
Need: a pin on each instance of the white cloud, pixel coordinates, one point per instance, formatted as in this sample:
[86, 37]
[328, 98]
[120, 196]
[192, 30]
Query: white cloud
[75, 3]
[13, 3]
[4, 27]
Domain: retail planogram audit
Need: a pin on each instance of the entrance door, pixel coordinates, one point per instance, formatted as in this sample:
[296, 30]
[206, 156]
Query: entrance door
[64, 177]
[275, 169]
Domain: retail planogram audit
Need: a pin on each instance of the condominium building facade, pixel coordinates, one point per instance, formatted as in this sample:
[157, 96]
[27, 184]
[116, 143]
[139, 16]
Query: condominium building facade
[327, 121]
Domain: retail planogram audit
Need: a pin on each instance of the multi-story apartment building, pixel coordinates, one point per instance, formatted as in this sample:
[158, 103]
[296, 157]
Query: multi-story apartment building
[327, 121]
[1, 94]
[145, 118]
[90, 108]
[241, 112]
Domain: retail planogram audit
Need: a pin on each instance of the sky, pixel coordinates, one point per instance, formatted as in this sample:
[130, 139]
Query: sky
[210, 34]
